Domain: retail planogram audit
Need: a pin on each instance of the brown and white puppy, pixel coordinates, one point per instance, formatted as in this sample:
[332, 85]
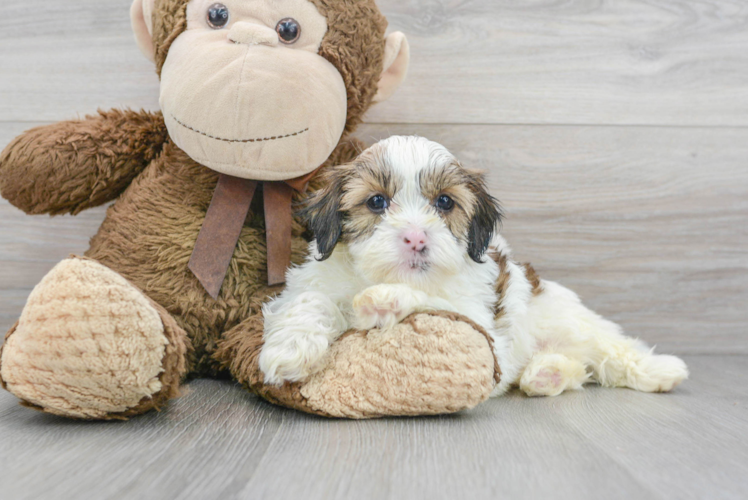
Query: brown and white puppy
[406, 228]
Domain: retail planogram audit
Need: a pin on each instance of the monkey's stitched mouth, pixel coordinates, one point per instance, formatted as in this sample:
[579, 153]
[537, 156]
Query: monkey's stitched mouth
[259, 139]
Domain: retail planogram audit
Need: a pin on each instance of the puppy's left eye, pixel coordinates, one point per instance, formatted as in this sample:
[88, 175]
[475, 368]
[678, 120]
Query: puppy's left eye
[377, 203]
[444, 203]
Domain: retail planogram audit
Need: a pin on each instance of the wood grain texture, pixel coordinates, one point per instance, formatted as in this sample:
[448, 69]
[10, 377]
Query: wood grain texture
[666, 62]
[654, 62]
[220, 442]
[648, 225]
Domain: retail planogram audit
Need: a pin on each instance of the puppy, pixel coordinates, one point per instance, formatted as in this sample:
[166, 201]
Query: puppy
[405, 228]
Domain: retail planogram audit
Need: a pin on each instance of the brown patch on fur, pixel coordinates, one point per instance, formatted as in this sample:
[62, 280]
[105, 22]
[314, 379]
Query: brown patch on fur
[367, 176]
[74, 165]
[360, 223]
[533, 278]
[452, 181]
[486, 217]
[354, 44]
[321, 211]
[502, 283]
[338, 209]
[476, 214]
[436, 180]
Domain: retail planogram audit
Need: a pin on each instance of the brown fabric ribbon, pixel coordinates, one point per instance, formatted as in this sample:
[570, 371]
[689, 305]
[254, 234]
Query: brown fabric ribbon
[223, 224]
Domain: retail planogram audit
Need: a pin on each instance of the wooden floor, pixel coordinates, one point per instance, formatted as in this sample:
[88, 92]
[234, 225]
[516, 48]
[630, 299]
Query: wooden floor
[220, 442]
[616, 135]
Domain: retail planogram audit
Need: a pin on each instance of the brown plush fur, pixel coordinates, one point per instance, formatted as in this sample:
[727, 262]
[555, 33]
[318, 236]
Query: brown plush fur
[74, 165]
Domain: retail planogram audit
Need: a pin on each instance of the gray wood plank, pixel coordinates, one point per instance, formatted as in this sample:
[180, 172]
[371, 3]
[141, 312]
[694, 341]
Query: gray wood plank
[648, 225]
[675, 62]
[220, 442]
[70, 58]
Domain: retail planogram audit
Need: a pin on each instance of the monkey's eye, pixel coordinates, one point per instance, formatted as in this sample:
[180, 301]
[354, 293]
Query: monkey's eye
[288, 30]
[444, 203]
[377, 203]
[218, 16]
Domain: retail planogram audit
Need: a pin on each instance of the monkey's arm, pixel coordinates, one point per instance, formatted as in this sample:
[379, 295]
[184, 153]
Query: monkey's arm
[73, 165]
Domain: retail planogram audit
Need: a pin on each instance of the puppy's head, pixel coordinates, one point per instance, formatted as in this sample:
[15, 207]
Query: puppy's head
[408, 211]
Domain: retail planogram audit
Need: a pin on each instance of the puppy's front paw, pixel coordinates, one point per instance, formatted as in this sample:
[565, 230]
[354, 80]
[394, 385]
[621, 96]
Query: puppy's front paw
[292, 359]
[384, 306]
[298, 332]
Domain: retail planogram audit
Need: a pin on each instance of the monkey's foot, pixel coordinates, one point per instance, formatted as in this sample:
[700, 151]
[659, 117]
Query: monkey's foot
[91, 345]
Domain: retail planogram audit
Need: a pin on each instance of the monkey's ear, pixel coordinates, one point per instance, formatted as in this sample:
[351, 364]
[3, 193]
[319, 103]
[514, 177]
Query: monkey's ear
[321, 212]
[486, 217]
[396, 60]
[141, 13]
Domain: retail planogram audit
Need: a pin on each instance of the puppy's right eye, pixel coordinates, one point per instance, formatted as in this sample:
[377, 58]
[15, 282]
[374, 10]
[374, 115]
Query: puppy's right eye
[377, 203]
[218, 16]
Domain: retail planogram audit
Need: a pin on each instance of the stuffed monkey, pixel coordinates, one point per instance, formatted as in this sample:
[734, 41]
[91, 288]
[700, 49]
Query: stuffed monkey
[256, 96]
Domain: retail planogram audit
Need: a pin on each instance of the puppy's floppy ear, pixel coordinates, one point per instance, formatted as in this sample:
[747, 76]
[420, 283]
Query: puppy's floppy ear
[486, 216]
[321, 211]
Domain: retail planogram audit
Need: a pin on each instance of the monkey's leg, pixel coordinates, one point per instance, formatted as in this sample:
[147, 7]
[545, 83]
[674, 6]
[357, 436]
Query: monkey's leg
[91, 345]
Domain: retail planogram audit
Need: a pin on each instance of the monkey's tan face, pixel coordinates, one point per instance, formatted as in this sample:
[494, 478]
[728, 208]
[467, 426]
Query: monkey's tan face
[244, 91]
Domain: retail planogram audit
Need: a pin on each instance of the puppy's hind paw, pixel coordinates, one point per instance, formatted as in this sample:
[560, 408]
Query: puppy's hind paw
[657, 373]
[552, 374]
